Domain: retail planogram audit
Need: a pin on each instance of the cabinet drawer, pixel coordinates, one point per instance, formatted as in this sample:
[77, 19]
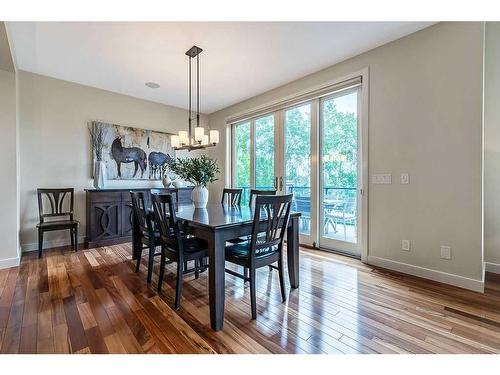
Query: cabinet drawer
[105, 196]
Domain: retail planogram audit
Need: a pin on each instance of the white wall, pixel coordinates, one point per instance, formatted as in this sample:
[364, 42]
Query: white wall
[54, 142]
[492, 147]
[425, 118]
[8, 171]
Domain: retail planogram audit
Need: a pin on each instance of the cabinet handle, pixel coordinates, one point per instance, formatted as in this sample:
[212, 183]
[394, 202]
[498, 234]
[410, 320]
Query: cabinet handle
[275, 183]
[281, 183]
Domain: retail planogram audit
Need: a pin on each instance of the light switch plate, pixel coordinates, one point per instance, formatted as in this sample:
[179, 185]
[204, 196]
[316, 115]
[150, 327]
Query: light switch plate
[446, 252]
[405, 245]
[378, 179]
[405, 178]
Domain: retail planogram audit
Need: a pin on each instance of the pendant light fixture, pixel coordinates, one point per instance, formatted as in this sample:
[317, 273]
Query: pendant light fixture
[189, 140]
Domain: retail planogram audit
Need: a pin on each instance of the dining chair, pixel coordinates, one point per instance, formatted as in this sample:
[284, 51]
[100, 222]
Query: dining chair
[177, 246]
[171, 191]
[264, 248]
[149, 236]
[255, 192]
[232, 196]
[60, 215]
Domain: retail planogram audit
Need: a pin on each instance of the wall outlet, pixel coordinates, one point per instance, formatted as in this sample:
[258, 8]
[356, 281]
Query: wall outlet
[405, 178]
[405, 245]
[446, 252]
[378, 179]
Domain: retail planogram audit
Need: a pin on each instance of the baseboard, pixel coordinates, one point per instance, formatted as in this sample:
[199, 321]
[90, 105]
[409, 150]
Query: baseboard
[427, 273]
[492, 267]
[50, 244]
[7, 263]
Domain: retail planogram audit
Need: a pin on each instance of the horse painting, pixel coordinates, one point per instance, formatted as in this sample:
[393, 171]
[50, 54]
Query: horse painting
[149, 150]
[134, 155]
[157, 161]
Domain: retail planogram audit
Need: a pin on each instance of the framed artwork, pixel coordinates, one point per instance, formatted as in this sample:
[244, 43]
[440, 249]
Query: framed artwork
[135, 154]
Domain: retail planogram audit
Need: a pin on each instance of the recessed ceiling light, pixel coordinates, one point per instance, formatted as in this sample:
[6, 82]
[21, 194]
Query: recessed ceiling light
[152, 85]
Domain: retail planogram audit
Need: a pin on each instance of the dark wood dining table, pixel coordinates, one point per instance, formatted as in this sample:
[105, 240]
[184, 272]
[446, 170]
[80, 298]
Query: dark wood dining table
[216, 224]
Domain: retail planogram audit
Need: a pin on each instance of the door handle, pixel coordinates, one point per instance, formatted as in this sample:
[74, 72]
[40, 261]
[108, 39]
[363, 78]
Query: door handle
[281, 183]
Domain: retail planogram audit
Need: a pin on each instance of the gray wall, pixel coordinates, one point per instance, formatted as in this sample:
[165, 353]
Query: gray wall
[492, 147]
[8, 170]
[54, 142]
[425, 118]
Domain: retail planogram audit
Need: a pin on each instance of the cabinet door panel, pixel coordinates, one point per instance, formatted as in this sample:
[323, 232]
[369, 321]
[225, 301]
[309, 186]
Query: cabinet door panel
[105, 221]
[127, 212]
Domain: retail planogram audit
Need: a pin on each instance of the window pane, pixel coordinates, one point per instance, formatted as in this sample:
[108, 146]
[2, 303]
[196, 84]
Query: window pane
[340, 165]
[242, 158]
[264, 152]
[298, 162]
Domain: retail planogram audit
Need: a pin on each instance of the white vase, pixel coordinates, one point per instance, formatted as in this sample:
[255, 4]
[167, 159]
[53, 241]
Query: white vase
[200, 196]
[99, 174]
[166, 181]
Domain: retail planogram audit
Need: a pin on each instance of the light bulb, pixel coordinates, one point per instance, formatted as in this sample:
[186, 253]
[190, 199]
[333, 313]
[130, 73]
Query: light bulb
[174, 141]
[199, 133]
[214, 137]
[183, 137]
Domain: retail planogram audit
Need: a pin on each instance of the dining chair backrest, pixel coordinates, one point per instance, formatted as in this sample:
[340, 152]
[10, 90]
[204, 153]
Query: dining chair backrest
[172, 191]
[274, 211]
[60, 200]
[255, 192]
[231, 196]
[166, 219]
[141, 214]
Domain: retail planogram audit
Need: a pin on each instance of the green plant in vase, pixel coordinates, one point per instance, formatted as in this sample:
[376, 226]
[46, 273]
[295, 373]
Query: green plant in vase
[200, 171]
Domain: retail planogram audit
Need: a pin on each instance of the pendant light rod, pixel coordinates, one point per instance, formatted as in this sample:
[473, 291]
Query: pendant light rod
[198, 90]
[189, 113]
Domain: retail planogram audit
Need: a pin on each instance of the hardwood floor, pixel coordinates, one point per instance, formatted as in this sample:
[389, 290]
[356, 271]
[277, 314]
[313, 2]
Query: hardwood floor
[93, 302]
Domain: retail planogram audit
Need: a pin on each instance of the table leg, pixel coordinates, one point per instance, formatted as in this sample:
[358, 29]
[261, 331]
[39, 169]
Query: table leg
[216, 281]
[292, 251]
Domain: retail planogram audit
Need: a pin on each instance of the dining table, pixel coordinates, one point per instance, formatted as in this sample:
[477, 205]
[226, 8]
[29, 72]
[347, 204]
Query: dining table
[216, 224]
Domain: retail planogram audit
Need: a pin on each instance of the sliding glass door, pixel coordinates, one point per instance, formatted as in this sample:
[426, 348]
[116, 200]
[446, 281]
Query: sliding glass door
[339, 172]
[254, 155]
[311, 150]
[242, 158]
[297, 167]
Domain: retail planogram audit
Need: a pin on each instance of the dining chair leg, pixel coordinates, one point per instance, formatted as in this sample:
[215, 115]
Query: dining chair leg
[138, 258]
[197, 271]
[40, 243]
[162, 268]
[76, 239]
[253, 298]
[72, 235]
[178, 288]
[282, 278]
[151, 261]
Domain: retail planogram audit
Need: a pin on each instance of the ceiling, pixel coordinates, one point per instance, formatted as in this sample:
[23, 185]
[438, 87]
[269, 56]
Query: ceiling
[240, 59]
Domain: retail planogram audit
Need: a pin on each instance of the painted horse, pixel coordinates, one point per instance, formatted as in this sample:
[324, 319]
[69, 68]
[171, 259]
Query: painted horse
[157, 164]
[134, 155]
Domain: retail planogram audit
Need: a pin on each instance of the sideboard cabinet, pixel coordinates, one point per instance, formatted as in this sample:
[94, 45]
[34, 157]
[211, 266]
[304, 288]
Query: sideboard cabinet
[109, 214]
